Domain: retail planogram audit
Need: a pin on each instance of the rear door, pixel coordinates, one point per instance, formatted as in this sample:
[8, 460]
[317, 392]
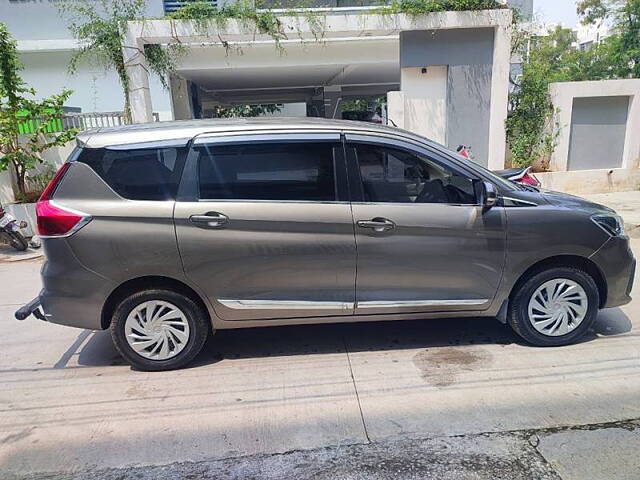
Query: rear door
[424, 243]
[264, 225]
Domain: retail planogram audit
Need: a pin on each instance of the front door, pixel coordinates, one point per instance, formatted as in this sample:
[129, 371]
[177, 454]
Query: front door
[423, 242]
[264, 225]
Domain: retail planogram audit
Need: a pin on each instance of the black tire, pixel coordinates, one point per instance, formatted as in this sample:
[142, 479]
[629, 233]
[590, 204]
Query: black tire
[18, 241]
[518, 314]
[197, 318]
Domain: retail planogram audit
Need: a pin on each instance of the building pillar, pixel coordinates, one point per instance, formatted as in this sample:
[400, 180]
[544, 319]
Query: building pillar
[332, 99]
[499, 97]
[180, 98]
[136, 68]
[563, 104]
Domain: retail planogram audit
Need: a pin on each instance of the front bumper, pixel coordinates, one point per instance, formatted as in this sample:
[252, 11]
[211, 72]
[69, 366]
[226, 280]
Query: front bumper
[617, 264]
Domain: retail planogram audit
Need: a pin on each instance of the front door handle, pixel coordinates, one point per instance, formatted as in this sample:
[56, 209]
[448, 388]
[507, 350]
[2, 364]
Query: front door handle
[377, 224]
[209, 220]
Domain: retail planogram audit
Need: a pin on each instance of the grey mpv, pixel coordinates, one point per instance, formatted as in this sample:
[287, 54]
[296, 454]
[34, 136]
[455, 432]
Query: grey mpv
[166, 232]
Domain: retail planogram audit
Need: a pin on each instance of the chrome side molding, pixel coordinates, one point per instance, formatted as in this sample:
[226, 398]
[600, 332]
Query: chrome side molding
[422, 303]
[285, 304]
[344, 306]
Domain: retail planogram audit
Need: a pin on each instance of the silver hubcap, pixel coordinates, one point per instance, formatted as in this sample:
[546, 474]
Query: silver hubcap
[557, 307]
[157, 330]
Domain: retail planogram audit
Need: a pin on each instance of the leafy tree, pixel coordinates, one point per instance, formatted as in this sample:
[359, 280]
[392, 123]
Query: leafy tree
[100, 25]
[244, 110]
[531, 131]
[22, 147]
[623, 47]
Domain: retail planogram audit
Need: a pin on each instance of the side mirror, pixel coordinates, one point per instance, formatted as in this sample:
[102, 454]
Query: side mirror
[489, 195]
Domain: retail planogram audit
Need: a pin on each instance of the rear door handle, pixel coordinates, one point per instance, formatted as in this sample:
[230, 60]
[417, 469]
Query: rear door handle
[377, 224]
[209, 220]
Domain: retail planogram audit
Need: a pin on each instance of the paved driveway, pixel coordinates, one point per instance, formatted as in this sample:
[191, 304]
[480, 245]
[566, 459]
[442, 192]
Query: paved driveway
[68, 403]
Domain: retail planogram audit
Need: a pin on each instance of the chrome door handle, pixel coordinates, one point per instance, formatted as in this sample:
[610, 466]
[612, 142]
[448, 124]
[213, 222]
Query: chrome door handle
[378, 224]
[209, 220]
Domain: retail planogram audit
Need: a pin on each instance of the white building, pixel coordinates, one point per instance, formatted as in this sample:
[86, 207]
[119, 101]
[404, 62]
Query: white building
[449, 71]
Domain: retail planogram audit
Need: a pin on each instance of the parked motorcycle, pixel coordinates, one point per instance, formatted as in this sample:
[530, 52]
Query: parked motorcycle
[10, 229]
[520, 175]
[523, 175]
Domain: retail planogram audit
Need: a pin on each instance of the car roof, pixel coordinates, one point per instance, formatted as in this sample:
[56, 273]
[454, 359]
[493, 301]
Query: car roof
[184, 130]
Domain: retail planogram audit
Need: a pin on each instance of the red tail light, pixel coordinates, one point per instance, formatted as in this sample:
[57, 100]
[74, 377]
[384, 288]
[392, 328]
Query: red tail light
[55, 220]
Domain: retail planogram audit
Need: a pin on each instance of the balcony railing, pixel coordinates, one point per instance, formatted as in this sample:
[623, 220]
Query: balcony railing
[84, 121]
[81, 121]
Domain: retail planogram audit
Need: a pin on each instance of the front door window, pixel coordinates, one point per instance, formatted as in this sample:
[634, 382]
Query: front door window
[392, 175]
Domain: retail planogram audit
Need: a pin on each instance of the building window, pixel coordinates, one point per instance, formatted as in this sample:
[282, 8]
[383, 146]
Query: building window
[171, 6]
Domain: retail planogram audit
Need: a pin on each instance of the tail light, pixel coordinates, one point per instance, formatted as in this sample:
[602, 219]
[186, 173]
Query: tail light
[55, 220]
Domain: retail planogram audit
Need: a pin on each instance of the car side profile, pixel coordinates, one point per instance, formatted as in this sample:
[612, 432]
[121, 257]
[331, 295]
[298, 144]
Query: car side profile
[166, 232]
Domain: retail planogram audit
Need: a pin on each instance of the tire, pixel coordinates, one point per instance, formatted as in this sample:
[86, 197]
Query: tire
[18, 241]
[524, 310]
[186, 329]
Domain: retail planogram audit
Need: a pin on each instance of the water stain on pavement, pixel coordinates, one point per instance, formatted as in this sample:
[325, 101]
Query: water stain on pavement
[441, 366]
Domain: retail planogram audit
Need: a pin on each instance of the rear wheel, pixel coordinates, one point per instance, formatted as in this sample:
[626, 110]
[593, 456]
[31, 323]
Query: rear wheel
[159, 329]
[554, 307]
[18, 241]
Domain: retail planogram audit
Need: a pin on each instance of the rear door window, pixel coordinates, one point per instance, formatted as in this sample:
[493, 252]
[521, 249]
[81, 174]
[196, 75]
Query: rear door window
[138, 174]
[268, 171]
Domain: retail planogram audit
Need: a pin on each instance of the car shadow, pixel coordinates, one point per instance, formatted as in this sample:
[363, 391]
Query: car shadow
[98, 350]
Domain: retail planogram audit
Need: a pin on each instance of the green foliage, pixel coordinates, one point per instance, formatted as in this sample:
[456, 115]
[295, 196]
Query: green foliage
[244, 110]
[18, 105]
[365, 104]
[203, 14]
[100, 25]
[531, 129]
[623, 47]
[417, 7]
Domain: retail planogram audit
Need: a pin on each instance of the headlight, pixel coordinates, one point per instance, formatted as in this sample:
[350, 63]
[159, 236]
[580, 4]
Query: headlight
[612, 224]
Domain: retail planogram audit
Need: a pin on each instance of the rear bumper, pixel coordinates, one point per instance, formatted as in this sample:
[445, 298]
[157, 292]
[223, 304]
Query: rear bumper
[616, 262]
[72, 295]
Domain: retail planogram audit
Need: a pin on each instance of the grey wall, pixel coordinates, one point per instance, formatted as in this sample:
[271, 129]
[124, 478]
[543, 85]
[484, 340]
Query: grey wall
[40, 20]
[461, 46]
[598, 129]
[468, 104]
[469, 55]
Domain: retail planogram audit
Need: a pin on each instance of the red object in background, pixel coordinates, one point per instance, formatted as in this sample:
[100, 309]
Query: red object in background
[526, 178]
[464, 151]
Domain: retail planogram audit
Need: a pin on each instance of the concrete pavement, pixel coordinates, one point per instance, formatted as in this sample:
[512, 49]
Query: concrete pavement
[440, 397]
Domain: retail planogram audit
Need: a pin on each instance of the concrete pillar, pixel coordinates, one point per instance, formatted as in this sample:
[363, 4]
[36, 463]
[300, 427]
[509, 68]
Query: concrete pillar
[425, 101]
[180, 99]
[395, 109]
[136, 67]
[499, 97]
[332, 99]
[631, 156]
[564, 104]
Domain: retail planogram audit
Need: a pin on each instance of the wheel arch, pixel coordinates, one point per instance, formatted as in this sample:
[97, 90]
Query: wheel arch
[575, 261]
[143, 283]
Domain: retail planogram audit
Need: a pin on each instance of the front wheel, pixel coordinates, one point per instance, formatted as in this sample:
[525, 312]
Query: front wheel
[159, 329]
[554, 307]
[17, 241]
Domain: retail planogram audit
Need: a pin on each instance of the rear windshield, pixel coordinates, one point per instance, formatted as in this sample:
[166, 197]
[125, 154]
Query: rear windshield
[138, 174]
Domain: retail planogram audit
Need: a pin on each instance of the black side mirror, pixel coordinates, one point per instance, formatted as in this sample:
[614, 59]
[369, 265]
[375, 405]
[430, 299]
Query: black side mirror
[489, 195]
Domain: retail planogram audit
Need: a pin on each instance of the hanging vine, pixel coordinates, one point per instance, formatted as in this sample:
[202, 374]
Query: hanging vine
[101, 25]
